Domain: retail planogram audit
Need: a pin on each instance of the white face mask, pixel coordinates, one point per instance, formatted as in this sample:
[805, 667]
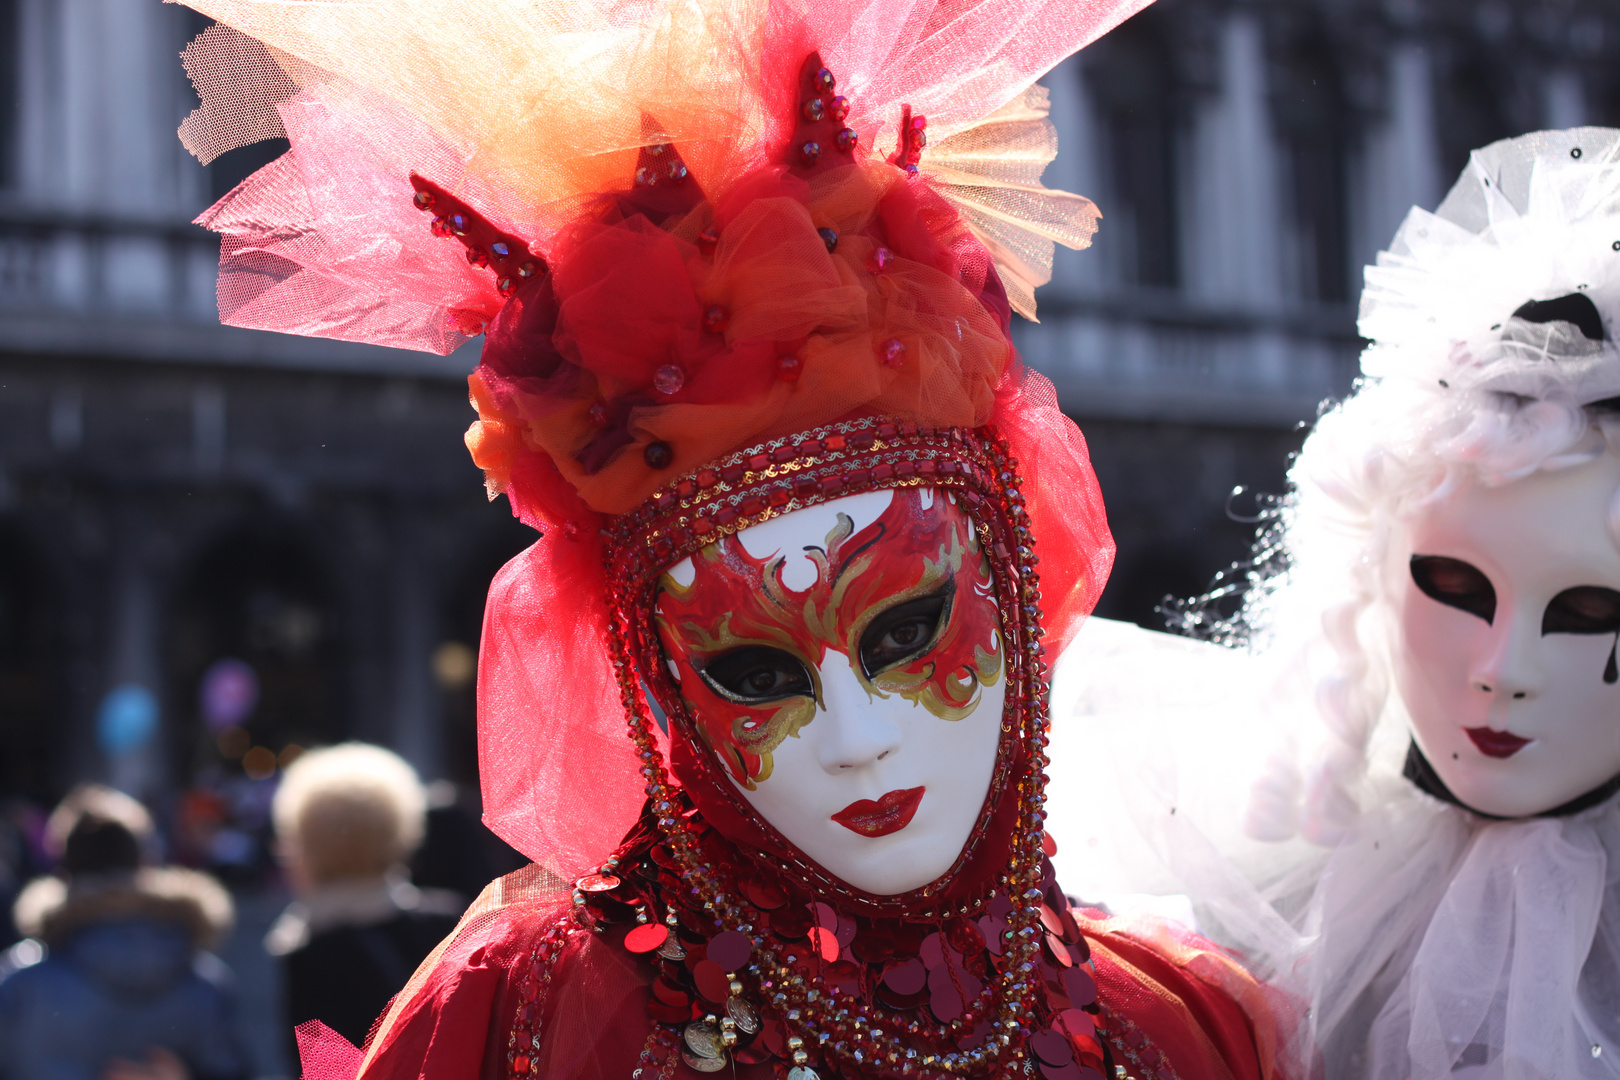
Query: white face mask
[844, 664]
[1506, 608]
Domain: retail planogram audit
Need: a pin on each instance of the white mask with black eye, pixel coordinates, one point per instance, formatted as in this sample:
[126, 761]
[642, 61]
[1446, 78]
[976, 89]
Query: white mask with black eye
[1506, 612]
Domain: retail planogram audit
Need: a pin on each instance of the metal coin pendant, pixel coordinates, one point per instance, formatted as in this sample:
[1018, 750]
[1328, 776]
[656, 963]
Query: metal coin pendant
[743, 1015]
[704, 1040]
[703, 1064]
[802, 1072]
[671, 949]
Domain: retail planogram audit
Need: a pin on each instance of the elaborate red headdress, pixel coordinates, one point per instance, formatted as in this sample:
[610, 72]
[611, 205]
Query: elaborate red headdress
[685, 230]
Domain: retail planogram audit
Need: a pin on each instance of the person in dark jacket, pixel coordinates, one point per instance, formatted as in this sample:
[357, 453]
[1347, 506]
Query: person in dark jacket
[113, 977]
[347, 820]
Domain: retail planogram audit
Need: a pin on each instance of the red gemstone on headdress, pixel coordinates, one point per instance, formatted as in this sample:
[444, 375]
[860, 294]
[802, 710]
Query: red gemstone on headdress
[726, 515]
[529, 269]
[731, 474]
[804, 485]
[847, 140]
[458, 224]
[894, 352]
[664, 500]
[658, 455]
[686, 488]
[810, 152]
[829, 238]
[477, 258]
[423, 199]
[863, 438]
[810, 448]
[759, 462]
[911, 171]
[879, 260]
[439, 227]
[753, 505]
[906, 468]
[707, 478]
[499, 251]
[840, 108]
[669, 378]
[830, 484]
[823, 81]
[778, 497]
[703, 526]
[857, 477]
[882, 472]
[887, 431]
[675, 172]
[506, 286]
[908, 428]
[834, 442]
[783, 454]
[716, 319]
[814, 110]
[646, 176]
[789, 368]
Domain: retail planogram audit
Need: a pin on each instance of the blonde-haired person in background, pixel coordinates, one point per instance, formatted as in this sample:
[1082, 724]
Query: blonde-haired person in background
[347, 820]
[112, 981]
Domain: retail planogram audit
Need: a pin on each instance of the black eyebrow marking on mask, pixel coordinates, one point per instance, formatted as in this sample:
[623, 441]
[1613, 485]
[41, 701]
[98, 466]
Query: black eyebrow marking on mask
[882, 531]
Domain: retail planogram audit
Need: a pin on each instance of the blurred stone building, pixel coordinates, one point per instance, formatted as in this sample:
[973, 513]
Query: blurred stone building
[174, 493]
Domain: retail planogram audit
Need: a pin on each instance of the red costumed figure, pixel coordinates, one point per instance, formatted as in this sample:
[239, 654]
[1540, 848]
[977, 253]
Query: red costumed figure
[766, 703]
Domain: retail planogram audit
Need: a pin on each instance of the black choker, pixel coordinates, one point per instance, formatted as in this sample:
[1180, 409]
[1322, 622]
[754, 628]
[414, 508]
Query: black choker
[1420, 772]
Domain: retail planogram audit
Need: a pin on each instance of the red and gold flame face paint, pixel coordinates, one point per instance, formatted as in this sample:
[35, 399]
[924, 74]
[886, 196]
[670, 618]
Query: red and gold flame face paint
[922, 545]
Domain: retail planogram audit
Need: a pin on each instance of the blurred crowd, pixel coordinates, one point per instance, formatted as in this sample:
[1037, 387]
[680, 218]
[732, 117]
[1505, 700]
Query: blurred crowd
[112, 918]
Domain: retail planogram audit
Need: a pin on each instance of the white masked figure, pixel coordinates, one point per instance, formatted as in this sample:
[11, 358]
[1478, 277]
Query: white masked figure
[1444, 604]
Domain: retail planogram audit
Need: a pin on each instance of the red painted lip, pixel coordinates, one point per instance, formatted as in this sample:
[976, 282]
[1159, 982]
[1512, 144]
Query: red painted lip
[1497, 744]
[889, 814]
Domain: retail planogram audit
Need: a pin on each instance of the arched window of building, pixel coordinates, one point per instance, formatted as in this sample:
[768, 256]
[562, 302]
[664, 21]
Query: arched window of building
[255, 656]
[233, 166]
[1132, 81]
[1470, 110]
[31, 723]
[1313, 122]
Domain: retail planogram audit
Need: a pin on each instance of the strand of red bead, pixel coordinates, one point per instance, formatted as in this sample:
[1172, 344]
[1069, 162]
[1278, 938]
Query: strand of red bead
[533, 986]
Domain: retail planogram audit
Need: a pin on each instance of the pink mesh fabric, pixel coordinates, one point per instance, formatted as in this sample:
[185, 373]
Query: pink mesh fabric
[321, 242]
[240, 84]
[324, 1054]
[560, 776]
[529, 110]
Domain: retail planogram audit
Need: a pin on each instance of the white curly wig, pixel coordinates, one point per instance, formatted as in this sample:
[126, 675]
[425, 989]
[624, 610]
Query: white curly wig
[1483, 367]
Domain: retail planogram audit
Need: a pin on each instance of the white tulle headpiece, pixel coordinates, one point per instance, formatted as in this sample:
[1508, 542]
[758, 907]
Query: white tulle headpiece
[1485, 292]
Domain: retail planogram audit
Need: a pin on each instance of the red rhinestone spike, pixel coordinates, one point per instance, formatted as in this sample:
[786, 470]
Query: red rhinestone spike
[661, 185]
[819, 122]
[913, 137]
[487, 246]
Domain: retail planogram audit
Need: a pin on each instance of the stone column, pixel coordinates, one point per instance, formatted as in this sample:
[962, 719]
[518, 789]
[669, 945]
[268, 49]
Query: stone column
[1399, 168]
[1232, 186]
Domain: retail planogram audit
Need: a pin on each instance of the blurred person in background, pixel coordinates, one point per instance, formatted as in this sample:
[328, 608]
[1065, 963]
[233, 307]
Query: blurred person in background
[348, 819]
[112, 980]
